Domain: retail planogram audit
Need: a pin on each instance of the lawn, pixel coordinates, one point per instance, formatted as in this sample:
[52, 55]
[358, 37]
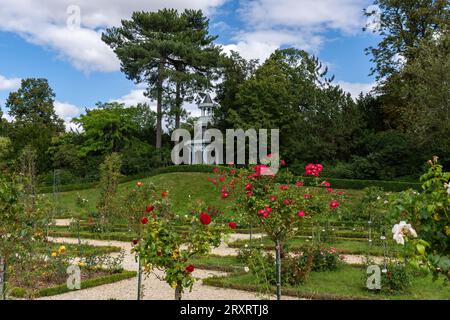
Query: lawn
[345, 283]
[179, 185]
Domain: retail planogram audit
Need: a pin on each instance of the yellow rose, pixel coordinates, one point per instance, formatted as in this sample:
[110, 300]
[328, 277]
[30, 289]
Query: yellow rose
[62, 250]
[174, 255]
[81, 264]
[447, 230]
[174, 285]
[54, 254]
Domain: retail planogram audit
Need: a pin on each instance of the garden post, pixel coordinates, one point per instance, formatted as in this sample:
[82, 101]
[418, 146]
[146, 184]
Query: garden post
[78, 231]
[278, 269]
[139, 293]
[251, 237]
[2, 279]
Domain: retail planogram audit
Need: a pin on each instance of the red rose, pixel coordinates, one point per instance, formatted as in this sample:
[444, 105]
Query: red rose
[138, 184]
[135, 242]
[283, 163]
[144, 220]
[286, 202]
[158, 253]
[299, 184]
[205, 218]
[222, 179]
[307, 196]
[248, 187]
[301, 214]
[190, 268]
[273, 198]
[262, 211]
[284, 187]
[214, 181]
[334, 204]
[249, 194]
[232, 225]
[216, 170]
[329, 190]
[268, 210]
[225, 195]
[149, 209]
[325, 183]
[164, 194]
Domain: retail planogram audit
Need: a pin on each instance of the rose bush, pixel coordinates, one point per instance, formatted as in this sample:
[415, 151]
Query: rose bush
[424, 229]
[163, 246]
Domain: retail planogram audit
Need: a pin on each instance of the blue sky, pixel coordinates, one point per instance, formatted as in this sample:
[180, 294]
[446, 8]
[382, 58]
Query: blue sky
[45, 40]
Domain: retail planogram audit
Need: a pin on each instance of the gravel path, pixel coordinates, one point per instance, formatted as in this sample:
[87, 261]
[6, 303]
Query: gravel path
[157, 289]
[153, 287]
[62, 222]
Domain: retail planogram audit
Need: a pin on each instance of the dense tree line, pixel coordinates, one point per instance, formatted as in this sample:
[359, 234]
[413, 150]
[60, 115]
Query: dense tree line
[386, 134]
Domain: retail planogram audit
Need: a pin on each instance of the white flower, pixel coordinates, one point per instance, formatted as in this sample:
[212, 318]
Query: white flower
[246, 269]
[385, 201]
[401, 230]
[447, 186]
[378, 198]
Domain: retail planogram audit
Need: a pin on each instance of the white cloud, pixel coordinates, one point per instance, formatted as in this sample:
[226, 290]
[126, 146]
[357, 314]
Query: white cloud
[9, 84]
[261, 43]
[355, 88]
[67, 111]
[134, 97]
[343, 15]
[45, 23]
[271, 24]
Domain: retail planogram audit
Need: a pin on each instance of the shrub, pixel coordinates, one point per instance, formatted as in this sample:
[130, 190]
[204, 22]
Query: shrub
[396, 280]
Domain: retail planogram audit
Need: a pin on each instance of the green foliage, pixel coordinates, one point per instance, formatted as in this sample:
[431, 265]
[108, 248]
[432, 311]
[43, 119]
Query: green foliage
[428, 212]
[109, 183]
[35, 121]
[396, 280]
[163, 247]
[111, 127]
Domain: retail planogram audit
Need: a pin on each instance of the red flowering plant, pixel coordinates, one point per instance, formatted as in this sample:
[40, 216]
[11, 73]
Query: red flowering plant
[260, 197]
[165, 247]
[270, 200]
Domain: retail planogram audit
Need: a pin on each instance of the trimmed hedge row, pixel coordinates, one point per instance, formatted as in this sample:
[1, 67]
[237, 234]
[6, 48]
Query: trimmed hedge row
[46, 292]
[394, 186]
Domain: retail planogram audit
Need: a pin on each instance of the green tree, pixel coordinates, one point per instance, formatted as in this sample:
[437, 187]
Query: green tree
[111, 127]
[403, 26]
[156, 47]
[34, 119]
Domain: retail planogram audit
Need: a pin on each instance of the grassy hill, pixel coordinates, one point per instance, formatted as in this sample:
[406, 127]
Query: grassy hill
[180, 186]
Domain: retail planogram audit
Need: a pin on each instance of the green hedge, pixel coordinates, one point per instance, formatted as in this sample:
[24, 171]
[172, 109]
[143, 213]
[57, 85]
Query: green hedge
[21, 293]
[394, 186]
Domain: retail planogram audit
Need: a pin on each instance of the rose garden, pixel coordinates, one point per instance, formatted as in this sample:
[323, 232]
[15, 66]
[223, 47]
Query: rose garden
[117, 198]
[243, 232]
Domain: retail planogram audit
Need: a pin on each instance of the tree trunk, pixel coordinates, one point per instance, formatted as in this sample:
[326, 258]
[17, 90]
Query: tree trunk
[159, 104]
[178, 103]
[178, 292]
